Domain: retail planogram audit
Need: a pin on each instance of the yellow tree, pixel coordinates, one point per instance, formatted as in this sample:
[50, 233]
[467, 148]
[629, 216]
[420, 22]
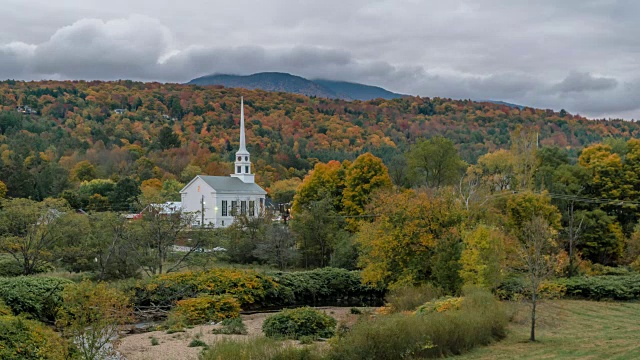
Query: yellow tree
[366, 175]
[3, 190]
[398, 246]
[484, 256]
[324, 181]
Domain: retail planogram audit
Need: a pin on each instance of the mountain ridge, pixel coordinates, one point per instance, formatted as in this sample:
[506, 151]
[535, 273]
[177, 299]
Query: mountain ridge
[289, 83]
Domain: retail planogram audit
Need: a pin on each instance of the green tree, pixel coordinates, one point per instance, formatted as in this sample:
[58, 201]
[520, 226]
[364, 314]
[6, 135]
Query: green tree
[602, 237]
[278, 247]
[83, 171]
[168, 139]
[283, 191]
[317, 227]
[435, 162]
[125, 195]
[30, 231]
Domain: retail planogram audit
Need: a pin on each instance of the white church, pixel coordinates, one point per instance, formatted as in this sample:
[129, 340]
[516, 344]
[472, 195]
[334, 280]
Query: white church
[216, 199]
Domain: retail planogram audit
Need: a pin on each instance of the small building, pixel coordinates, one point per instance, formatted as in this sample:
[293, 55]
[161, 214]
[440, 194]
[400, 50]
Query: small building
[218, 199]
[119, 111]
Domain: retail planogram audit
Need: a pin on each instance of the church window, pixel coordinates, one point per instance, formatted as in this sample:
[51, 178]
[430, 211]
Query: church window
[239, 170]
[261, 204]
[243, 207]
[225, 212]
[234, 208]
[239, 158]
[246, 169]
[252, 208]
[246, 158]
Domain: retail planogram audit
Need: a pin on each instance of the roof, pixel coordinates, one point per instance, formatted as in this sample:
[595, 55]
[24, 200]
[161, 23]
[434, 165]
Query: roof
[229, 184]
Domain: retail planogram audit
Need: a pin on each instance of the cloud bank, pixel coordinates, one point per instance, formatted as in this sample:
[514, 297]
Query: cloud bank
[577, 55]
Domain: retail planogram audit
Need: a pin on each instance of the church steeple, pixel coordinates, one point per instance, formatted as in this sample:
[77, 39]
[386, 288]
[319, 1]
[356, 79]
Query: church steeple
[243, 146]
[243, 160]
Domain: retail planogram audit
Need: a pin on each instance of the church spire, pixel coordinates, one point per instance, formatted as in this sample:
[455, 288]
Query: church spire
[243, 147]
[243, 161]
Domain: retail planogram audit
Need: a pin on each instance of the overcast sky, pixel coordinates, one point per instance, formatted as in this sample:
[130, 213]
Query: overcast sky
[580, 55]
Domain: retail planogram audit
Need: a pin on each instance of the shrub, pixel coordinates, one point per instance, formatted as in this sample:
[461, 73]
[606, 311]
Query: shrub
[91, 314]
[247, 286]
[253, 290]
[232, 326]
[603, 287]
[259, 348]
[205, 308]
[4, 309]
[480, 320]
[325, 287]
[22, 339]
[40, 297]
[408, 298]
[441, 305]
[154, 341]
[11, 267]
[197, 343]
[295, 323]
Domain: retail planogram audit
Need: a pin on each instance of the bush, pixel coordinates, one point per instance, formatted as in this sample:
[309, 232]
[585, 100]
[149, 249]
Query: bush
[207, 308]
[608, 287]
[408, 298]
[441, 305]
[11, 267]
[258, 348]
[197, 343]
[253, 290]
[233, 326]
[4, 309]
[326, 287]
[295, 323]
[22, 339]
[480, 320]
[40, 297]
[247, 286]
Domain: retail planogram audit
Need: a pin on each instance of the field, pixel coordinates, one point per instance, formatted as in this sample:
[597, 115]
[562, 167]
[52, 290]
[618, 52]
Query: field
[571, 329]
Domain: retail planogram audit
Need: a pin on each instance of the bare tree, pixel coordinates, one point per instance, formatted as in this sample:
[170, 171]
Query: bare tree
[154, 235]
[538, 251]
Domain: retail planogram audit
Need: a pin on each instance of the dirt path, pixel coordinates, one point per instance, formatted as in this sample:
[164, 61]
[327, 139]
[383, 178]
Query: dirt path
[175, 346]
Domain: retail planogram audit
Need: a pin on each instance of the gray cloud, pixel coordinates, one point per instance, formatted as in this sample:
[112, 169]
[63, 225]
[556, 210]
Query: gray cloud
[581, 82]
[544, 56]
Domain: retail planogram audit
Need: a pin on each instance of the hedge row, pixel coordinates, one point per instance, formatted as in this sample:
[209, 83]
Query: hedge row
[39, 297]
[254, 290]
[606, 287]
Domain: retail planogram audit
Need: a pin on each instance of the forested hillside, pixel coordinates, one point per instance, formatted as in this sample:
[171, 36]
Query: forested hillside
[53, 133]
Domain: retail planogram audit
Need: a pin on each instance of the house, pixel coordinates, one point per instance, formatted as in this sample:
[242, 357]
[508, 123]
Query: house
[119, 111]
[217, 199]
[167, 208]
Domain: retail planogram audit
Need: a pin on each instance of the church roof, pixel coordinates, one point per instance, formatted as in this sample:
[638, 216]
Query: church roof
[228, 184]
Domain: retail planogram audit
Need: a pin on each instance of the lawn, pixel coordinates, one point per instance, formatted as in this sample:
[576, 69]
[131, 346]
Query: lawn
[571, 329]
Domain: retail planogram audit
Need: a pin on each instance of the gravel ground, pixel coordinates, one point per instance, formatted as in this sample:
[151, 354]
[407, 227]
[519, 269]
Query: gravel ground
[175, 346]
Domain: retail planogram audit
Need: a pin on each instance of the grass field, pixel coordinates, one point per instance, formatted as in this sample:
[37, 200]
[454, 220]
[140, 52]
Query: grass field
[571, 329]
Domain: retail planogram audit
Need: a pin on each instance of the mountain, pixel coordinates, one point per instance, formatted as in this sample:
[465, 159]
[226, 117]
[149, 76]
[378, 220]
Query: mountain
[497, 102]
[349, 90]
[269, 81]
[275, 81]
